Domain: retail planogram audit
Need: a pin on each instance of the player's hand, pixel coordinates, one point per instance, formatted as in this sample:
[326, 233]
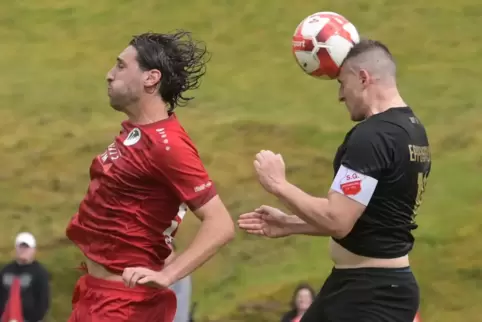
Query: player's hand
[270, 168]
[144, 276]
[265, 221]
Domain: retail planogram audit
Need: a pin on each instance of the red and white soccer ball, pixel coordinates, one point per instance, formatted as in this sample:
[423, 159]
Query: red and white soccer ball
[321, 43]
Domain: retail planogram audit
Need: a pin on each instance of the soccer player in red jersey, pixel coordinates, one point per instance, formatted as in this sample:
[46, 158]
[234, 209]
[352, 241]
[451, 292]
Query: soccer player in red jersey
[142, 186]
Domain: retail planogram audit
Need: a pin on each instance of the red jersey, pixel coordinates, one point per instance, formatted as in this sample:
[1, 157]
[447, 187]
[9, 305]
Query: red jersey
[140, 189]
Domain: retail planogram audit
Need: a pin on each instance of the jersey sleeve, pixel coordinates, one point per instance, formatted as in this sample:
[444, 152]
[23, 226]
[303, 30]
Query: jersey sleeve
[178, 165]
[366, 156]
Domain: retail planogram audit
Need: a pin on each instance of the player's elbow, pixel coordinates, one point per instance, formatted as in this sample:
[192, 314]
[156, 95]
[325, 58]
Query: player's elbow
[337, 227]
[222, 224]
[333, 229]
[229, 236]
[227, 229]
[341, 229]
[343, 213]
[340, 232]
[217, 219]
[222, 227]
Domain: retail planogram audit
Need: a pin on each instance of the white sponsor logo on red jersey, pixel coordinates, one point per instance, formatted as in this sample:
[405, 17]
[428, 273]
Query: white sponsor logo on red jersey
[202, 187]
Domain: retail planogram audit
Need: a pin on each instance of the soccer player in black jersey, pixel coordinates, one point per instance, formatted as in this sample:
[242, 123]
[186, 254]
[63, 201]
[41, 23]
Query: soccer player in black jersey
[380, 173]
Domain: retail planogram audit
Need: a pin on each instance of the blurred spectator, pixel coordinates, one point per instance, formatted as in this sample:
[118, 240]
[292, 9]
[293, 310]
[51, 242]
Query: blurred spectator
[302, 298]
[32, 278]
[183, 290]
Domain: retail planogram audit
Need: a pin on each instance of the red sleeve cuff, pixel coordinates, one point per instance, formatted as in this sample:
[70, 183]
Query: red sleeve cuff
[201, 199]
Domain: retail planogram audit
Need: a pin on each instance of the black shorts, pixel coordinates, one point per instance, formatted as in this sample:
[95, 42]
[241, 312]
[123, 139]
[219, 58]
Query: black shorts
[366, 295]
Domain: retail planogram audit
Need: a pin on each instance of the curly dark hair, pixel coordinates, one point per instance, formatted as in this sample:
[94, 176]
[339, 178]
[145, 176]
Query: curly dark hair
[180, 59]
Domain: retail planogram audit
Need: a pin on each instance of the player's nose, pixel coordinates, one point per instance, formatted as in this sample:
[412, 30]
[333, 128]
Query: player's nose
[109, 77]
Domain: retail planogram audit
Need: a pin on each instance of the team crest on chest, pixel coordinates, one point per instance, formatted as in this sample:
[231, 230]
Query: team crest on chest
[133, 137]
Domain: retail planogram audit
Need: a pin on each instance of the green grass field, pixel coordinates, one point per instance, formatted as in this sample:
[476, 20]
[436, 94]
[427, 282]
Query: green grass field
[55, 119]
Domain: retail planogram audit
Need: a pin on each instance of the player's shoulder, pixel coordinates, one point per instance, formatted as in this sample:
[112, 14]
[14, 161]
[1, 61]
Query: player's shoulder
[372, 134]
[168, 137]
[368, 131]
[390, 124]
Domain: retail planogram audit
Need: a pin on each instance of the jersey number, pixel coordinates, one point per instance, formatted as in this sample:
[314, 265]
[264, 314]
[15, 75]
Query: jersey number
[421, 184]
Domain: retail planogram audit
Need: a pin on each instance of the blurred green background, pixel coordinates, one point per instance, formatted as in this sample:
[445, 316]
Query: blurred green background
[55, 118]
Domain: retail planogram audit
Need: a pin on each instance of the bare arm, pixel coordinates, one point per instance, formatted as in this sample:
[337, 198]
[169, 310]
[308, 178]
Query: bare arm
[297, 226]
[365, 157]
[217, 229]
[333, 216]
[170, 258]
[352, 188]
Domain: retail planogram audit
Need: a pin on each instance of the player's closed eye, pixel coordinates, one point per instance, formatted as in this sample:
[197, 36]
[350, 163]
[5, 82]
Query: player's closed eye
[120, 63]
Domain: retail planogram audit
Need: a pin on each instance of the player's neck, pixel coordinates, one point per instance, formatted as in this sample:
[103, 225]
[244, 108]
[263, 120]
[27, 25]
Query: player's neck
[148, 110]
[386, 99]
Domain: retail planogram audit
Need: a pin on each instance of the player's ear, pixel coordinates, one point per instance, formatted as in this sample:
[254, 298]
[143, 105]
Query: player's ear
[364, 77]
[152, 77]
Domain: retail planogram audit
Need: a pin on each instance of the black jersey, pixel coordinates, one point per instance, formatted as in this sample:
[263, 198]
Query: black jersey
[392, 150]
[35, 289]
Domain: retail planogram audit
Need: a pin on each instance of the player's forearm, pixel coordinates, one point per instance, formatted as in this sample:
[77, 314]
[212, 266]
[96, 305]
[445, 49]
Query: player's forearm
[313, 211]
[170, 258]
[297, 226]
[211, 236]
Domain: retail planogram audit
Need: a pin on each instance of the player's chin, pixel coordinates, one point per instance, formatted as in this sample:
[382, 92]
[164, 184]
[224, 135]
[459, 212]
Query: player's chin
[353, 115]
[115, 105]
[356, 117]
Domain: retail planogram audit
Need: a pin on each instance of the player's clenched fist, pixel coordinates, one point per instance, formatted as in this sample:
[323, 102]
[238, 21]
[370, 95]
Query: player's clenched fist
[265, 221]
[144, 276]
[270, 168]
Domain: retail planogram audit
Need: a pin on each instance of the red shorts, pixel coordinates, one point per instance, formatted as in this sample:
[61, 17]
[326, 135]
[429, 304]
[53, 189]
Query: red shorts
[98, 300]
